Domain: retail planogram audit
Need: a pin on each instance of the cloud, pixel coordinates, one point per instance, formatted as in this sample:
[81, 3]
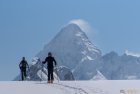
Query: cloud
[127, 52]
[84, 25]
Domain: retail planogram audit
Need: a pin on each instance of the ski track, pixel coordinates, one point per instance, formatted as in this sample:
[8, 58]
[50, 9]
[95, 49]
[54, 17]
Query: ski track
[80, 90]
[77, 90]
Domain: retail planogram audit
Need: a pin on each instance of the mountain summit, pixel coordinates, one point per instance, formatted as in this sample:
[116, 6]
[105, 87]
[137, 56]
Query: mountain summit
[71, 48]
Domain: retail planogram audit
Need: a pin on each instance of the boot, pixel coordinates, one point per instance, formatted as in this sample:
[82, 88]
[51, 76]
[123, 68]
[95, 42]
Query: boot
[49, 81]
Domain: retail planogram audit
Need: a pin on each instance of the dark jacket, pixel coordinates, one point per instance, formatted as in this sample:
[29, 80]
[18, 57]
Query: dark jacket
[23, 64]
[50, 61]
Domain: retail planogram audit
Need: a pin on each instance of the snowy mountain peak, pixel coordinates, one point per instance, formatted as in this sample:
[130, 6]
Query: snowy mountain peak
[69, 43]
[71, 48]
[73, 28]
[71, 31]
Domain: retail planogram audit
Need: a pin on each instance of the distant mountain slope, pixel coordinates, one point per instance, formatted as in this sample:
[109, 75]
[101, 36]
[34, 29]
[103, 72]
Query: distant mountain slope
[117, 67]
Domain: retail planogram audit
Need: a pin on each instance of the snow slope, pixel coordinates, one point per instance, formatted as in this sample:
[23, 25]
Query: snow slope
[71, 87]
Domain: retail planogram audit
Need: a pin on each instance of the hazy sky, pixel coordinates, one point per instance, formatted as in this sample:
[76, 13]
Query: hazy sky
[27, 25]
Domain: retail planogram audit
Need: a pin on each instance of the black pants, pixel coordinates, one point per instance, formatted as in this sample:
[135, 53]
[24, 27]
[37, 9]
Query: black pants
[23, 74]
[50, 74]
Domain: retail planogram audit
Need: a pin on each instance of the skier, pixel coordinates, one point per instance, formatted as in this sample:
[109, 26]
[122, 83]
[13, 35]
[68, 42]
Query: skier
[50, 66]
[23, 65]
